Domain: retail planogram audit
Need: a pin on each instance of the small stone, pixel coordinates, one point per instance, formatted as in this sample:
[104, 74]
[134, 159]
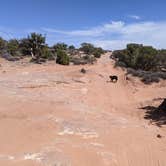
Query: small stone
[83, 71]
[159, 136]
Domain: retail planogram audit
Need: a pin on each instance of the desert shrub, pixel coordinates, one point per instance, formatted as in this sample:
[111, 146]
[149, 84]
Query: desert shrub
[25, 46]
[71, 47]
[147, 79]
[89, 49]
[71, 50]
[147, 76]
[134, 72]
[13, 47]
[137, 56]
[161, 57]
[89, 59]
[9, 57]
[97, 52]
[120, 64]
[38, 60]
[60, 46]
[145, 62]
[82, 60]
[36, 42]
[2, 45]
[46, 53]
[35, 46]
[62, 58]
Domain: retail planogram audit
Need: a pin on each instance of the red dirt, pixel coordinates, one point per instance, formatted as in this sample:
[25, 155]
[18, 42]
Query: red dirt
[55, 115]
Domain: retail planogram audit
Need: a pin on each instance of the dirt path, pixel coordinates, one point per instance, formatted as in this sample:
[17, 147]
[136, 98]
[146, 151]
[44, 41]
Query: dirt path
[54, 115]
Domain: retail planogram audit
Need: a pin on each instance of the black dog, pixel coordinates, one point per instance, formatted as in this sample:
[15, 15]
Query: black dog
[113, 78]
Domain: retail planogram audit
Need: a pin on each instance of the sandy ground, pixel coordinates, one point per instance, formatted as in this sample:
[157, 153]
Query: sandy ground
[52, 115]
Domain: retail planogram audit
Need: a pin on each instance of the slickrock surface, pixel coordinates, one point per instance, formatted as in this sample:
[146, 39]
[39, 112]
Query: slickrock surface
[52, 115]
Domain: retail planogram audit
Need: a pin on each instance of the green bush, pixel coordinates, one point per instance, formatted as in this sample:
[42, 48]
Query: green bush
[71, 47]
[62, 58]
[89, 49]
[120, 64]
[97, 52]
[147, 76]
[60, 46]
[137, 56]
[13, 47]
[161, 57]
[89, 59]
[35, 46]
[2, 45]
[25, 47]
[145, 62]
[46, 53]
[36, 42]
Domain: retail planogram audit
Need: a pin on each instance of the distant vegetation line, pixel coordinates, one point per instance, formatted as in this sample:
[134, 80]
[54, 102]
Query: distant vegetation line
[35, 46]
[142, 61]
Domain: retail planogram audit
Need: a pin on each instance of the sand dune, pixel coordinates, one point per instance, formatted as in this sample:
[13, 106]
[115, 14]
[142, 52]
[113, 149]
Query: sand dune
[52, 115]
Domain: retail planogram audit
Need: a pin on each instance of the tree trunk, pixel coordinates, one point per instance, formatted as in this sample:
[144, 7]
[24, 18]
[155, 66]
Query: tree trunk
[33, 56]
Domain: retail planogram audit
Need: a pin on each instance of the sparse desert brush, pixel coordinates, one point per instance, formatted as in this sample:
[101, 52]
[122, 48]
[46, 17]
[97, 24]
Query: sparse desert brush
[60, 46]
[47, 54]
[87, 59]
[137, 56]
[147, 76]
[35, 46]
[120, 64]
[13, 47]
[90, 49]
[62, 58]
[145, 62]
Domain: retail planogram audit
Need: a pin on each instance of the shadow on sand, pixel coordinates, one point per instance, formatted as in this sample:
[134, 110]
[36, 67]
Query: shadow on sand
[156, 114]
